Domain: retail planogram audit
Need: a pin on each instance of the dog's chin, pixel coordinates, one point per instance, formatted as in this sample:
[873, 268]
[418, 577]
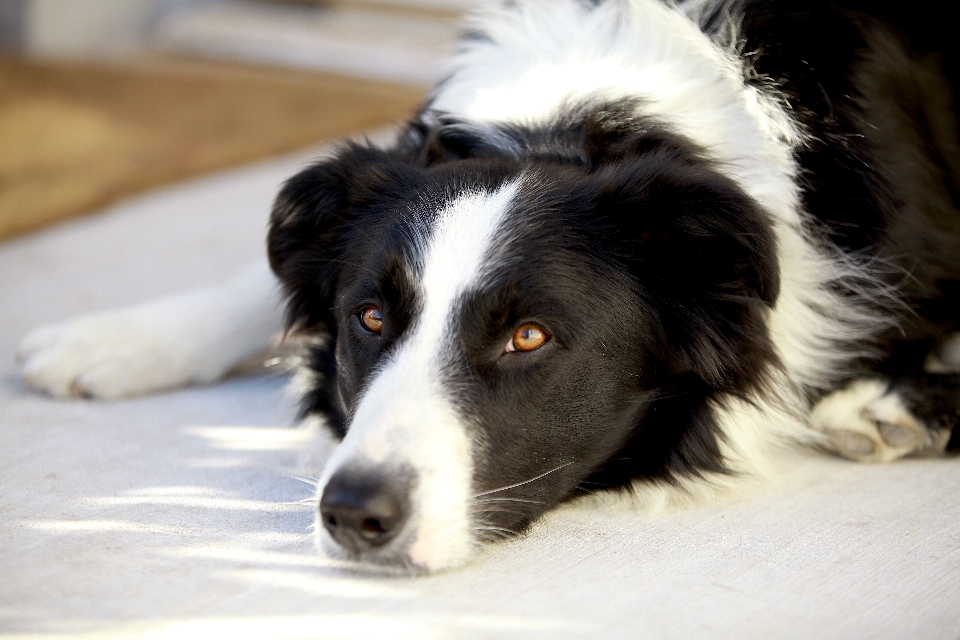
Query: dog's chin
[408, 555]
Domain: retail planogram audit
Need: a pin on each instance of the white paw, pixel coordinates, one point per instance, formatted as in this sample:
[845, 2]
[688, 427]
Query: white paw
[195, 337]
[110, 355]
[868, 423]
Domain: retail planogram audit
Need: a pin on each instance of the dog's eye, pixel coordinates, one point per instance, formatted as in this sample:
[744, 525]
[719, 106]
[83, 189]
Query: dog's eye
[372, 320]
[529, 337]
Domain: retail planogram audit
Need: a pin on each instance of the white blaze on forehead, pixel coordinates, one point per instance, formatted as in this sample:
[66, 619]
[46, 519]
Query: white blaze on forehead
[407, 415]
[458, 251]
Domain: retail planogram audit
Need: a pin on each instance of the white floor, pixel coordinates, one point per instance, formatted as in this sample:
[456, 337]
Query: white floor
[173, 516]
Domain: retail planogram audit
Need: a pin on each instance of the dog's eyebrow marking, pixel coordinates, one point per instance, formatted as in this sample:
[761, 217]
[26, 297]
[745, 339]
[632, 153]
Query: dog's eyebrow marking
[458, 254]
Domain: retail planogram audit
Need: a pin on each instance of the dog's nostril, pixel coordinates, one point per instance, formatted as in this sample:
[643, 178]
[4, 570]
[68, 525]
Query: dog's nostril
[371, 527]
[362, 511]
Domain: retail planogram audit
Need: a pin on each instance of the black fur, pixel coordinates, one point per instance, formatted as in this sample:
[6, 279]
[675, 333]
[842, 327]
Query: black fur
[874, 84]
[621, 214]
[815, 53]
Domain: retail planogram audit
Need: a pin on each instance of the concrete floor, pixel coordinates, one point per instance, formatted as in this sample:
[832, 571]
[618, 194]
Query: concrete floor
[175, 515]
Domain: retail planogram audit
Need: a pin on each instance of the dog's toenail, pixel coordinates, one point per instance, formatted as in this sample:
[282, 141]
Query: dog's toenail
[78, 390]
[850, 443]
[897, 435]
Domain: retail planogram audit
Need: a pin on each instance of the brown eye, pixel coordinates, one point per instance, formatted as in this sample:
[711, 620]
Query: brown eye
[372, 319]
[529, 337]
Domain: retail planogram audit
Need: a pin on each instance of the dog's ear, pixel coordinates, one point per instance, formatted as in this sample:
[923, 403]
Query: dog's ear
[705, 257]
[309, 225]
[434, 138]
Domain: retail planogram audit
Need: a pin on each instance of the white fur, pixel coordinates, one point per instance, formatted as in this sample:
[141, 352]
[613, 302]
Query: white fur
[192, 338]
[407, 415]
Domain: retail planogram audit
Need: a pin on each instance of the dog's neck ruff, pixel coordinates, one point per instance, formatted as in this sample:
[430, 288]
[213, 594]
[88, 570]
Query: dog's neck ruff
[523, 72]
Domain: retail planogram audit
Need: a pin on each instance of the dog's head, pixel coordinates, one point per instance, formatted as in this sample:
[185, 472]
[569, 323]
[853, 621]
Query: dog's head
[503, 317]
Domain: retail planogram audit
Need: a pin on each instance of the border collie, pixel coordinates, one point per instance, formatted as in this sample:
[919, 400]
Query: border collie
[625, 244]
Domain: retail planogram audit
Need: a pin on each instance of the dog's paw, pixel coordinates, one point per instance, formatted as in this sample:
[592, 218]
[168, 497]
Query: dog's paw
[109, 356]
[869, 423]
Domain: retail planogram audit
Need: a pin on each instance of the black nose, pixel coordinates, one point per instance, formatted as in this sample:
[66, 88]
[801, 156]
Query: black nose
[362, 511]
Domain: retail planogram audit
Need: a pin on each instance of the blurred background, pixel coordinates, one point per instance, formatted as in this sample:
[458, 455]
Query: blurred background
[101, 99]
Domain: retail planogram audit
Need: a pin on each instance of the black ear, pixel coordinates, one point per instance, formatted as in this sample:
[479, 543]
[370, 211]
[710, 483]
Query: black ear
[704, 255]
[436, 138]
[310, 224]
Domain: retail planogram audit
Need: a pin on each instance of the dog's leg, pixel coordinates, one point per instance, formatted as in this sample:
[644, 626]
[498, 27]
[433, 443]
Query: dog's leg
[190, 338]
[879, 420]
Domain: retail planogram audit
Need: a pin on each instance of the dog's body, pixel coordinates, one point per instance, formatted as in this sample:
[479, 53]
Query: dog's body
[624, 244]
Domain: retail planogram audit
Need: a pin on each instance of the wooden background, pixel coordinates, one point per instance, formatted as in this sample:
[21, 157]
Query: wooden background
[76, 137]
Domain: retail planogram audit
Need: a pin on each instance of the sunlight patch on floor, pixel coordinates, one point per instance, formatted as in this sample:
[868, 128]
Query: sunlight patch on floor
[253, 438]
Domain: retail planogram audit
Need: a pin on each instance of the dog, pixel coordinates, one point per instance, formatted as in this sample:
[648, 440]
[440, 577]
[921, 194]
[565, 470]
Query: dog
[626, 245]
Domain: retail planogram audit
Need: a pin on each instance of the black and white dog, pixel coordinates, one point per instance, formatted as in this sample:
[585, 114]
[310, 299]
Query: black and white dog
[625, 244]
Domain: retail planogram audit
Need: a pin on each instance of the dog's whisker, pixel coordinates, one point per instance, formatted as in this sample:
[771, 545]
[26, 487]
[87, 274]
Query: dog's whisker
[500, 530]
[482, 511]
[304, 479]
[486, 500]
[492, 536]
[520, 484]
